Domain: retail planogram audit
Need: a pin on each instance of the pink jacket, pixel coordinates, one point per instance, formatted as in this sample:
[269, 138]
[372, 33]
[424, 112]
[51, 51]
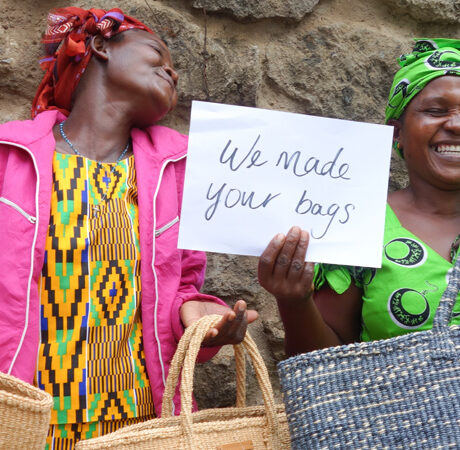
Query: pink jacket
[169, 276]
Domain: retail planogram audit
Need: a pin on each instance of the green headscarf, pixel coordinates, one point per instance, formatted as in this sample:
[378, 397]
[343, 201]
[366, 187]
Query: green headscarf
[431, 58]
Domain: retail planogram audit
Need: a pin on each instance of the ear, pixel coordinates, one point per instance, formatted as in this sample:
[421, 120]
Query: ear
[99, 47]
[397, 124]
[397, 136]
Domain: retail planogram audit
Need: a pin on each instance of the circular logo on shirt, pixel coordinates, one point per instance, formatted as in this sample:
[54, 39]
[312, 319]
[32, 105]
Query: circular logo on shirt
[408, 308]
[405, 252]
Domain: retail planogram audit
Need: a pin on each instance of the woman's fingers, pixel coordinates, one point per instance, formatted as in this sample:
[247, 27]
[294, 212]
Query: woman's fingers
[282, 268]
[268, 258]
[284, 259]
[307, 278]
[234, 323]
[227, 316]
[193, 310]
[212, 333]
[252, 315]
[232, 327]
[297, 266]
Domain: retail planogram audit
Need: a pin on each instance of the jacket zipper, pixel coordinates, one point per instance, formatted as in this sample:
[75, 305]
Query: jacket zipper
[161, 230]
[155, 320]
[30, 218]
[32, 251]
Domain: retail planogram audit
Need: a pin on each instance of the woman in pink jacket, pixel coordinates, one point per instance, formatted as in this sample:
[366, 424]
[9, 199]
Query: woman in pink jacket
[94, 293]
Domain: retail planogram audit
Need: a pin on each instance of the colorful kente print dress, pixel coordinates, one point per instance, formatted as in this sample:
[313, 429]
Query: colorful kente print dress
[91, 357]
[403, 295]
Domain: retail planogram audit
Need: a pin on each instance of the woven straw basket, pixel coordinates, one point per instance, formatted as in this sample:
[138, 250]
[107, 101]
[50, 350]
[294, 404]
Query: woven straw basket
[398, 393]
[235, 428]
[25, 413]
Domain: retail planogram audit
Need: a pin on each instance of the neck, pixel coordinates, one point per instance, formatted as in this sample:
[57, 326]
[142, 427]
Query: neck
[98, 127]
[428, 199]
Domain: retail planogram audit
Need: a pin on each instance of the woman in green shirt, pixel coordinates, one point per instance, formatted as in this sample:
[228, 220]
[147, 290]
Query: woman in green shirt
[330, 305]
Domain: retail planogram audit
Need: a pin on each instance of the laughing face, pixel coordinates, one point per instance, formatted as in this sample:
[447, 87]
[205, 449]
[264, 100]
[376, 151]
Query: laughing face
[429, 134]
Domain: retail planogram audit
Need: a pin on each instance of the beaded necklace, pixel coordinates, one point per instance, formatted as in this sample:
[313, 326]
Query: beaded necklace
[123, 153]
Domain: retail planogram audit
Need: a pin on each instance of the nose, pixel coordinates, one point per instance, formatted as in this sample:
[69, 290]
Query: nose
[172, 73]
[453, 122]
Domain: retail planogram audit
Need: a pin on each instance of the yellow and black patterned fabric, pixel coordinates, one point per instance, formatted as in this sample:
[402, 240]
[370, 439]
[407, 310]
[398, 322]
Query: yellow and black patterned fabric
[65, 436]
[91, 357]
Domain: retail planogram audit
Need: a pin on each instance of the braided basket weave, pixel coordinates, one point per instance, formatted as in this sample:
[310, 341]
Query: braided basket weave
[236, 428]
[25, 413]
[398, 393]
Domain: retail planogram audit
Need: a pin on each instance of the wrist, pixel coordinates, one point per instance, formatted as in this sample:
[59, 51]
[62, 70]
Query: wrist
[292, 302]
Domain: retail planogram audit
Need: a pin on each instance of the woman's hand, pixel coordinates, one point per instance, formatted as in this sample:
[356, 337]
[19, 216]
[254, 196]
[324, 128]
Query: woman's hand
[231, 328]
[284, 273]
[282, 268]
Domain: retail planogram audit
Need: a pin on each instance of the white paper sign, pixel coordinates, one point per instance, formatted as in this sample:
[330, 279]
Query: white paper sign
[252, 173]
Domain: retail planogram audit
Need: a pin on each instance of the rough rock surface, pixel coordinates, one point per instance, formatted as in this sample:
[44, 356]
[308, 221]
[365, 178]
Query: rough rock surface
[352, 57]
[259, 9]
[331, 58]
[442, 11]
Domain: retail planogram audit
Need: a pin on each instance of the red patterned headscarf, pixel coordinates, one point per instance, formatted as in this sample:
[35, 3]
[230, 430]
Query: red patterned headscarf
[68, 51]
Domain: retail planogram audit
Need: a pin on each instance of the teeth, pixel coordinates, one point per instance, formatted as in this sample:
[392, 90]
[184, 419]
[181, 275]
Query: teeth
[448, 148]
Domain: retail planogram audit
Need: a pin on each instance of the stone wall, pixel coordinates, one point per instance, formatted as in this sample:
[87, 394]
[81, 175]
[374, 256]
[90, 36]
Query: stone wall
[332, 58]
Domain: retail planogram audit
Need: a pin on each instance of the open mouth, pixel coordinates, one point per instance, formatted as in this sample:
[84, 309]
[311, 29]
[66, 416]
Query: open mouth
[447, 149]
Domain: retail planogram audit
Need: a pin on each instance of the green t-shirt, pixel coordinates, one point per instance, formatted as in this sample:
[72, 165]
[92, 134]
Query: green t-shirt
[403, 295]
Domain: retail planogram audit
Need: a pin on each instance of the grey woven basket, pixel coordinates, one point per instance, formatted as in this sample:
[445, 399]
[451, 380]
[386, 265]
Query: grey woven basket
[397, 393]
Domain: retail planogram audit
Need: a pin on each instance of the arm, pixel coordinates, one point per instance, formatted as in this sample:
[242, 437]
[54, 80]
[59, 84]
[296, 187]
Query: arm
[311, 321]
[341, 312]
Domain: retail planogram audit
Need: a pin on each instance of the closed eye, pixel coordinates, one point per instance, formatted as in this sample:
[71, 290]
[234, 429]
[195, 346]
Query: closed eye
[157, 49]
[436, 111]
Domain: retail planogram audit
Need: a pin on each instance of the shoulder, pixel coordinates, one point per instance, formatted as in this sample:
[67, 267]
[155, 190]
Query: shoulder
[163, 142]
[25, 132]
[167, 134]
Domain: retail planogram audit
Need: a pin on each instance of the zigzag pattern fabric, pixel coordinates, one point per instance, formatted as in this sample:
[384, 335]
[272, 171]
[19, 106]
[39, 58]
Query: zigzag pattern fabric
[91, 357]
[65, 436]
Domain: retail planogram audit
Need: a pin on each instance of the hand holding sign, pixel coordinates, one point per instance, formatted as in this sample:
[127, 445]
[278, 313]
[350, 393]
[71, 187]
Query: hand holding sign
[282, 268]
[252, 173]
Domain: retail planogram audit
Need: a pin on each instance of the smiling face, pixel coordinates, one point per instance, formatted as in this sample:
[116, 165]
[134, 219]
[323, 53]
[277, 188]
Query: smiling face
[140, 69]
[429, 134]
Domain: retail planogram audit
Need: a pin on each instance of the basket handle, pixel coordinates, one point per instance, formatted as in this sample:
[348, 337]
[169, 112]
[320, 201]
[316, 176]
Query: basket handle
[448, 299]
[178, 361]
[443, 348]
[184, 361]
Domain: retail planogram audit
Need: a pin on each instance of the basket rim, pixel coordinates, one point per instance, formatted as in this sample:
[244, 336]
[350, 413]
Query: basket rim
[23, 395]
[356, 349]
